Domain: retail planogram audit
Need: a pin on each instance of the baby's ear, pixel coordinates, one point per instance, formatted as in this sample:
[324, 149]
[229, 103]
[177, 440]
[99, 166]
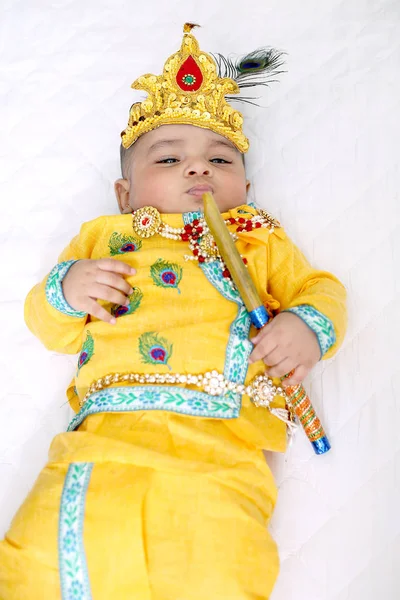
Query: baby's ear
[248, 184]
[121, 188]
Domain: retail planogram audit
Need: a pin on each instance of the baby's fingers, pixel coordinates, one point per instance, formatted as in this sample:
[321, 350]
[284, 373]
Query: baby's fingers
[109, 294]
[263, 348]
[95, 310]
[298, 376]
[115, 265]
[282, 368]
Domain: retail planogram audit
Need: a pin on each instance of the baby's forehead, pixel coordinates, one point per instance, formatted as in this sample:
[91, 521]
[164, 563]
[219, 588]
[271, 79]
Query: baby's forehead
[182, 135]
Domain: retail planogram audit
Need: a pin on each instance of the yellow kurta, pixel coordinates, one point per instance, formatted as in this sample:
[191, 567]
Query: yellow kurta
[153, 494]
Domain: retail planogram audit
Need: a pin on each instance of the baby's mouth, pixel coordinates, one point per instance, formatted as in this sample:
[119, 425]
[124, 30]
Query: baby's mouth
[199, 190]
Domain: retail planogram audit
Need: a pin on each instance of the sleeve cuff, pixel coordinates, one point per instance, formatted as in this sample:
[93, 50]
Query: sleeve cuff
[54, 291]
[318, 323]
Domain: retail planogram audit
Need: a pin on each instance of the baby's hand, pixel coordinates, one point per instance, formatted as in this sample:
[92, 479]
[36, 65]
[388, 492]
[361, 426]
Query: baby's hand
[89, 280]
[284, 344]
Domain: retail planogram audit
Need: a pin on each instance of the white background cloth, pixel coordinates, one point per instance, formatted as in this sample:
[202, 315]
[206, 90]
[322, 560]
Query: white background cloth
[324, 161]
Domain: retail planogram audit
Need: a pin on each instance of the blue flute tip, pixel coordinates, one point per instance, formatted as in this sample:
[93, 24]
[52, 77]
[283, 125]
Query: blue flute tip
[321, 446]
[259, 317]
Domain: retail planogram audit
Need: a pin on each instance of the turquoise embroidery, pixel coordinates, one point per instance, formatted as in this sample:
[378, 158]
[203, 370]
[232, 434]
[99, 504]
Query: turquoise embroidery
[166, 274]
[86, 352]
[71, 552]
[243, 211]
[239, 346]
[158, 397]
[134, 302]
[120, 243]
[54, 292]
[189, 217]
[155, 350]
[319, 323]
[213, 271]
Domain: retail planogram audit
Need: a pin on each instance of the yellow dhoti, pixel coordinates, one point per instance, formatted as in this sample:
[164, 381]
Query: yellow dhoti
[159, 507]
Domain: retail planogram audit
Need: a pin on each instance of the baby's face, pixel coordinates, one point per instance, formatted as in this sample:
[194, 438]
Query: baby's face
[168, 162]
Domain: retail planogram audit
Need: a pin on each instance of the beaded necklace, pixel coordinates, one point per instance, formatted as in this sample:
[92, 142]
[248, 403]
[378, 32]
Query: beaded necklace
[146, 222]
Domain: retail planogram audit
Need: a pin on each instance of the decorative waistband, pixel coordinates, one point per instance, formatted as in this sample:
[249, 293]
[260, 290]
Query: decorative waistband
[261, 390]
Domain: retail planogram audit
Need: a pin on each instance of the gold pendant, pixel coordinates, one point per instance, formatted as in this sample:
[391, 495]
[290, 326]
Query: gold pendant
[208, 246]
[272, 222]
[146, 221]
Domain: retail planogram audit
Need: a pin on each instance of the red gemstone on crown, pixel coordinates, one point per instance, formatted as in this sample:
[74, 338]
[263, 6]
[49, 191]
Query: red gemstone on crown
[189, 77]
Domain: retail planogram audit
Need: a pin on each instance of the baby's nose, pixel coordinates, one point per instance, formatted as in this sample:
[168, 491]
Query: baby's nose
[199, 171]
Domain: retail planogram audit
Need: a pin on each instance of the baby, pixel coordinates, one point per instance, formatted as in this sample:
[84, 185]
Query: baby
[160, 489]
[173, 166]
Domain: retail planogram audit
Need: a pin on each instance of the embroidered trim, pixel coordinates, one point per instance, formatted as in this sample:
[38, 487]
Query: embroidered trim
[239, 346]
[214, 272]
[189, 217]
[242, 211]
[54, 292]
[74, 577]
[318, 323]
[158, 397]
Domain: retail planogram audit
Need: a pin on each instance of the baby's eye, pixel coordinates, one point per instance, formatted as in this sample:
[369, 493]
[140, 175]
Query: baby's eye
[223, 160]
[164, 160]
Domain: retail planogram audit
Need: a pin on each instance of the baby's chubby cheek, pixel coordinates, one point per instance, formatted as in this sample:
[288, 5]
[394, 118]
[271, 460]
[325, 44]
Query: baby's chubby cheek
[152, 186]
[144, 193]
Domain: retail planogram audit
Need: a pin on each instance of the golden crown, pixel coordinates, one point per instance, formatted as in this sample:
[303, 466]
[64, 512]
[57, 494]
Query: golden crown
[188, 92]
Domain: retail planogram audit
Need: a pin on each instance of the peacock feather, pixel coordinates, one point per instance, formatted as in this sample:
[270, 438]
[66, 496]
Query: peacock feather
[154, 349]
[87, 351]
[256, 68]
[120, 243]
[134, 302]
[166, 274]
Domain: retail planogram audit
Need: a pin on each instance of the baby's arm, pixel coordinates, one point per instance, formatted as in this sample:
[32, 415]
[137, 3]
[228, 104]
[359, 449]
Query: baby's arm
[57, 309]
[314, 325]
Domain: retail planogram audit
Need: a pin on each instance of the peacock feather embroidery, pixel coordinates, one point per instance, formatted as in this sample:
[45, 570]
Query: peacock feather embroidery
[154, 349]
[134, 302]
[120, 243]
[166, 274]
[87, 351]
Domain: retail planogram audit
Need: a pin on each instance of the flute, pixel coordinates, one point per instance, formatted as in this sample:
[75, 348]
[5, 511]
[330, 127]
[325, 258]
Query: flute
[296, 397]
